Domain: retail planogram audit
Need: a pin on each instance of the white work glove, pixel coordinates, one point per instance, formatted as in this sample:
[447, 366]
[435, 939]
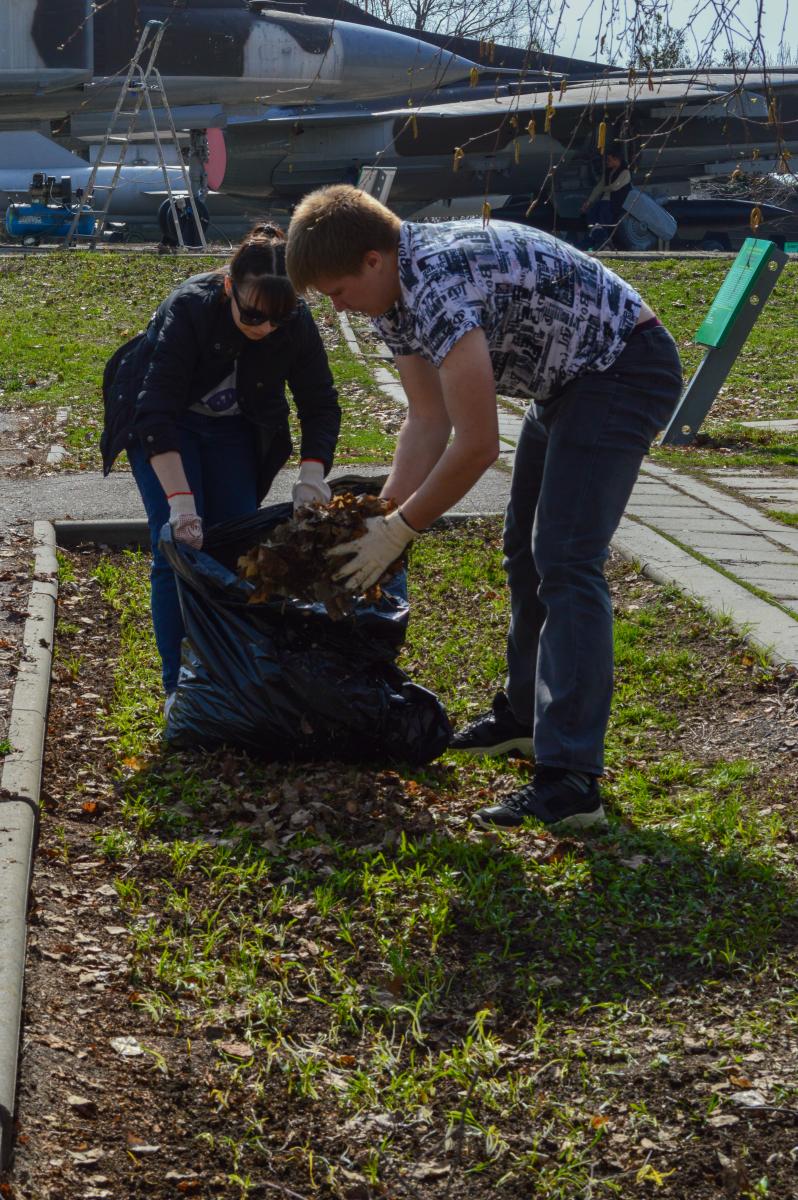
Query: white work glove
[384, 542]
[184, 520]
[310, 486]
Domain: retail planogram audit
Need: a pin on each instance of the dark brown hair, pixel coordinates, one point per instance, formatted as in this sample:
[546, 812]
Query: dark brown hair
[258, 271]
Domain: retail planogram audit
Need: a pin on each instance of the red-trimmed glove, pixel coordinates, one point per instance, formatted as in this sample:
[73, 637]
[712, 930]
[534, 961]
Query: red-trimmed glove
[385, 540]
[185, 521]
[310, 486]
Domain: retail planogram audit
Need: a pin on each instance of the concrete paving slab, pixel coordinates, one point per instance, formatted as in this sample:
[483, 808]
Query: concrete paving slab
[732, 507]
[746, 479]
[769, 627]
[390, 385]
[741, 472]
[707, 518]
[764, 492]
[690, 535]
[767, 496]
[785, 425]
[772, 571]
[678, 506]
[686, 510]
[747, 549]
[659, 493]
[780, 589]
[758, 555]
[781, 482]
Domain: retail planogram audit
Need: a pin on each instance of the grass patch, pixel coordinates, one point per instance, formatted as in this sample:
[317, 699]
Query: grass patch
[786, 518]
[353, 994]
[54, 350]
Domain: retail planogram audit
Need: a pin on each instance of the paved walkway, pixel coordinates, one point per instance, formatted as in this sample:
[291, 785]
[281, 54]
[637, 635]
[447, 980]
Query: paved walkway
[709, 539]
[710, 536]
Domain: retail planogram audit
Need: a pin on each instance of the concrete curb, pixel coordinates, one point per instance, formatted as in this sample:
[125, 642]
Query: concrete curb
[349, 335]
[762, 624]
[388, 385]
[19, 808]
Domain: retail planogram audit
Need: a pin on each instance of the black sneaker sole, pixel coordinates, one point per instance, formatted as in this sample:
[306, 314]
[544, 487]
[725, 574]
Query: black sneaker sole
[595, 821]
[520, 745]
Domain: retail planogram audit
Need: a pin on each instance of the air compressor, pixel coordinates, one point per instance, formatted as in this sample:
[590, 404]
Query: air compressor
[49, 212]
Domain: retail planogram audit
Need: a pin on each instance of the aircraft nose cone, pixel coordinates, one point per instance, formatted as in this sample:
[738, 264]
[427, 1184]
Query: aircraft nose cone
[381, 62]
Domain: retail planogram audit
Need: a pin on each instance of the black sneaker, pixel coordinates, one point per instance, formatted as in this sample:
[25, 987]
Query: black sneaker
[497, 732]
[563, 801]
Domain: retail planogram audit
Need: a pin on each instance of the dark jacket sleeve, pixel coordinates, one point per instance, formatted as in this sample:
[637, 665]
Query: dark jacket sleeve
[174, 335]
[315, 396]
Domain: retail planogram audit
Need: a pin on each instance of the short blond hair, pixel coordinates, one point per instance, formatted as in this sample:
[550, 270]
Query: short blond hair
[331, 232]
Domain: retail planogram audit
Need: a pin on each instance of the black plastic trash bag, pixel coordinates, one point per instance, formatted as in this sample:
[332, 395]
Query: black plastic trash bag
[281, 679]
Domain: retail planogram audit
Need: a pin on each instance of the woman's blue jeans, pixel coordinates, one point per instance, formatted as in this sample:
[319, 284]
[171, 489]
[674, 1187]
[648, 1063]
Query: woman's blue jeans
[575, 466]
[219, 460]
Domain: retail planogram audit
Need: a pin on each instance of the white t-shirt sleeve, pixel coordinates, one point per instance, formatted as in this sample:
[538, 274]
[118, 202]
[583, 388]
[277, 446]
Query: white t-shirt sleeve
[443, 315]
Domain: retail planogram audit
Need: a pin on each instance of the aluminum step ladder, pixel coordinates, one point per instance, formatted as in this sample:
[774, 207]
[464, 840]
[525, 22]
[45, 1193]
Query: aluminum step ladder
[142, 79]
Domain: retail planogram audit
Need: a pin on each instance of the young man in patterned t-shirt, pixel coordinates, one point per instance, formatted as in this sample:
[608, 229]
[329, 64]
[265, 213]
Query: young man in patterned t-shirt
[470, 310]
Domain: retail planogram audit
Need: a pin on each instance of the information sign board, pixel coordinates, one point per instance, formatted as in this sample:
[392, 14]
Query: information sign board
[735, 291]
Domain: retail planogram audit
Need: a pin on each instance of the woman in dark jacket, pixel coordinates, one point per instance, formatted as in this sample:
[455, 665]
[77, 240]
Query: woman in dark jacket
[198, 402]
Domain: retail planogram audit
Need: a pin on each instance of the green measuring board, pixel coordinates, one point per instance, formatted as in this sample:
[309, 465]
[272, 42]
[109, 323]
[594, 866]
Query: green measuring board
[791, 247]
[735, 291]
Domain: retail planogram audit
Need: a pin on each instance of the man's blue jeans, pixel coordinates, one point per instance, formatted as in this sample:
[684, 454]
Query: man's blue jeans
[219, 460]
[575, 467]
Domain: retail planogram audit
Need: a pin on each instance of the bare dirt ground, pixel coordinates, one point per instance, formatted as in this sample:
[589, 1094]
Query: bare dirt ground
[99, 1119]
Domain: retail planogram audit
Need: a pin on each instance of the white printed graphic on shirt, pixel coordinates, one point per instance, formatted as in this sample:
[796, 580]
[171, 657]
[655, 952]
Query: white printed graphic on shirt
[221, 400]
[549, 312]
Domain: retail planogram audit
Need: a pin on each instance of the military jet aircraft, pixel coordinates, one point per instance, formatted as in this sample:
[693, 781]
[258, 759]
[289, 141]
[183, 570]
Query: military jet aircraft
[62, 57]
[272, 81]
[674, 125]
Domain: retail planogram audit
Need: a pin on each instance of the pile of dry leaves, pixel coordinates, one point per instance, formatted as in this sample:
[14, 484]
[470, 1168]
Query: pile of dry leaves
[293, 561]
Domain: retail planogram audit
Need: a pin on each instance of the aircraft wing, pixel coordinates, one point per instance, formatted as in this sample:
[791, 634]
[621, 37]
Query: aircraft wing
[652, 103]
[598, 93]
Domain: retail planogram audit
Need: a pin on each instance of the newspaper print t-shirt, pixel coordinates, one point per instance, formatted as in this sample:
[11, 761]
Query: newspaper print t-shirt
[221, 400]
[549, 312]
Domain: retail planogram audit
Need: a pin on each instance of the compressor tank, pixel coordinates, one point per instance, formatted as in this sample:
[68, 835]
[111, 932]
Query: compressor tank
[35, 221]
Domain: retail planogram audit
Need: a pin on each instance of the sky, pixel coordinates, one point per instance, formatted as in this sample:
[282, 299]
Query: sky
[706, 20]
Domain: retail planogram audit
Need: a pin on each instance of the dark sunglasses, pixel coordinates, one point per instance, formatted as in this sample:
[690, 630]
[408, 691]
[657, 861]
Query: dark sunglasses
[254, 316]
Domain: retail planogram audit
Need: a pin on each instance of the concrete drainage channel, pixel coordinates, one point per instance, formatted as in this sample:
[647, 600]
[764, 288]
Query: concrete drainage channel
[20, 783]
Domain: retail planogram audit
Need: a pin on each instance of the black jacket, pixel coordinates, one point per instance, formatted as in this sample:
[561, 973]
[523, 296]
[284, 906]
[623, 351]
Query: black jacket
[188, 347]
